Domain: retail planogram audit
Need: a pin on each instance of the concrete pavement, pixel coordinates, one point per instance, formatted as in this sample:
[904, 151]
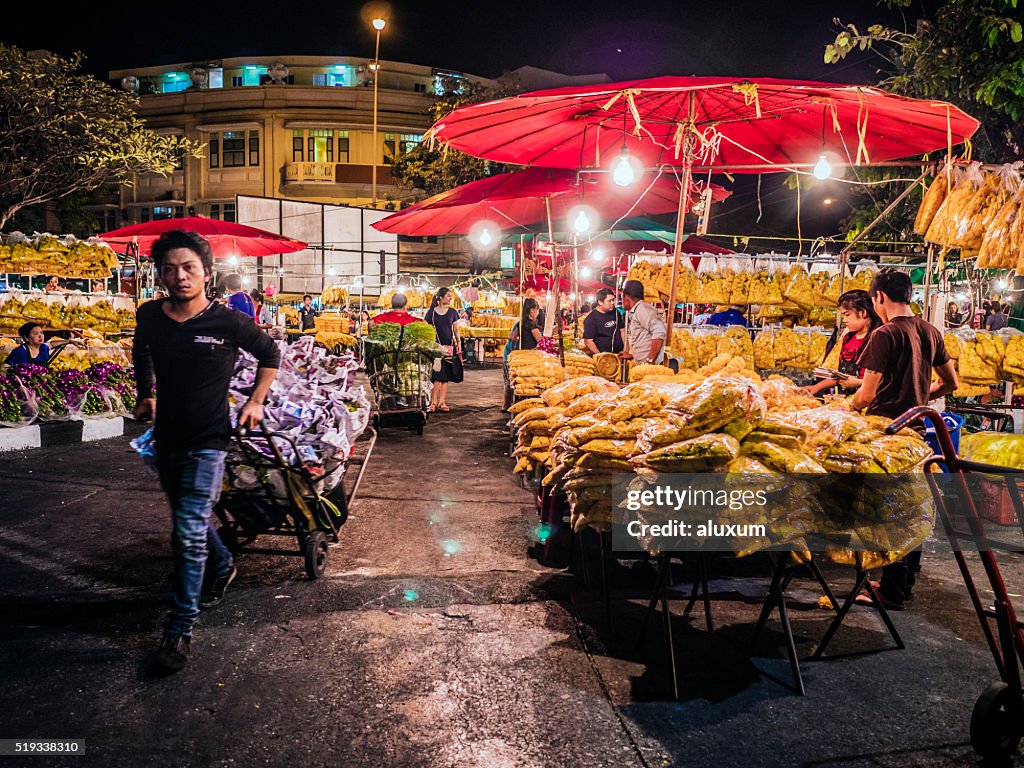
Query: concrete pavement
[435, 639]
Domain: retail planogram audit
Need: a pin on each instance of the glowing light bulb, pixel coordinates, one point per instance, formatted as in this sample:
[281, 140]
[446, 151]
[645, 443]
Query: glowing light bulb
[586, 272]
[822, 169]
[827, 201]
[590, 298]
[486, 238]
[245, 281]
[379, 24]
[581, 222]
[623, 174]
[331, 271]
[233, 260]
[597, 254]
[1001, 285]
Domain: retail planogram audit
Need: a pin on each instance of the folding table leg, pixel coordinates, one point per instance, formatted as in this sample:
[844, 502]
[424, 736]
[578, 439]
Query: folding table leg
[669, 641]
[659, 583]
[766, 609]
[787, 629]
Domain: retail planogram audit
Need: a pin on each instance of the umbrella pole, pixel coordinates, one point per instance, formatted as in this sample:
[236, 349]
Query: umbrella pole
[684, 200]
[556, 280]
[684, 203]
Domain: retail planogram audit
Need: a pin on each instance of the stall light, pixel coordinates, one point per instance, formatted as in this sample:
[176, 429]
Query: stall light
[624, 171]
[245, 280]
[357, 284]
[591, 298]
[823, 168]
[1001, 285]
[331, 271]
[485, 235]
[827, 201]
[586, 272]
[233, 260]
[597, 254]
[572, 296]
[379, 24]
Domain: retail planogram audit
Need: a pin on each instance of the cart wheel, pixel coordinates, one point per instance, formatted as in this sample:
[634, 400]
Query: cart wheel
[316, 554]
[997, 722]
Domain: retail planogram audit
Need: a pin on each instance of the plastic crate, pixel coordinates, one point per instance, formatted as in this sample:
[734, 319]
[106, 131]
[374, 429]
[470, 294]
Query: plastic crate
[995, 503]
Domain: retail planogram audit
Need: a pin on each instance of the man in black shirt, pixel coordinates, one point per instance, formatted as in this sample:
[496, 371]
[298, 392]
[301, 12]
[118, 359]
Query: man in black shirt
[307, 315]
[602, 327]
[187, 346]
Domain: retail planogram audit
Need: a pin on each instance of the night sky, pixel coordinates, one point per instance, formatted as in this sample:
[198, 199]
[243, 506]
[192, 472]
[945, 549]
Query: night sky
[623, 39]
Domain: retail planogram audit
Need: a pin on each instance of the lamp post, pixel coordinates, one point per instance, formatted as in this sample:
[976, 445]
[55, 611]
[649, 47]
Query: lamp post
[378, 24]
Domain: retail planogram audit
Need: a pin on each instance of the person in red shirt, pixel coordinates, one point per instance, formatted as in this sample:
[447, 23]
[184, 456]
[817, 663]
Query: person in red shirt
[860, 319]
[397, 314]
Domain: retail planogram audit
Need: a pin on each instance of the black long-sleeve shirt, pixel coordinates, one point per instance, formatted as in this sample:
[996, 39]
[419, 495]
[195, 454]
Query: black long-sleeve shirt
[192, 363]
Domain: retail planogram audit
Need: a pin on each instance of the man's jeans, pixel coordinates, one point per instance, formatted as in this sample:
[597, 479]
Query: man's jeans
[192, 482]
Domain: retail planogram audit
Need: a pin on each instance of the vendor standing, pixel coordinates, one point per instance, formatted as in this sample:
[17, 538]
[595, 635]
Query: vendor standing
[645, 330]
[898, 361]
[602, 328]
[307, 315]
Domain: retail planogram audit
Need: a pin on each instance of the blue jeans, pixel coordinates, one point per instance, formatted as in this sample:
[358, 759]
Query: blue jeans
[192, 482]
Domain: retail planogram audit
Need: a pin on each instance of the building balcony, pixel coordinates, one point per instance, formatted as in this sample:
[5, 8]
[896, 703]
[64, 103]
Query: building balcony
[336, 173]
[309, 172]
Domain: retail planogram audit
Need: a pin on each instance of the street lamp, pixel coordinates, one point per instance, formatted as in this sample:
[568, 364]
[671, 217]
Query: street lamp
[378, 25]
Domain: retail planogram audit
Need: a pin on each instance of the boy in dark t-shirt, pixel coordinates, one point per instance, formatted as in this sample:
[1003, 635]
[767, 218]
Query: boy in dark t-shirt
[602, 327]
[898, 361]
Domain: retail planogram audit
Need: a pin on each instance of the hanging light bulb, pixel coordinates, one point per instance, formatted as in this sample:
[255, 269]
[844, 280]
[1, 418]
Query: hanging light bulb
[485, 235]
[597, 254]
[623, 173]
[331, 271]
[581, 223]
[233, 260]
[823, 168]
[586, 272]
[1001, 285]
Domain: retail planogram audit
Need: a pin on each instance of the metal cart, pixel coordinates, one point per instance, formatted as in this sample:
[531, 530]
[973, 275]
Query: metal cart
[997, 722]
[400, 382]
[267, 494]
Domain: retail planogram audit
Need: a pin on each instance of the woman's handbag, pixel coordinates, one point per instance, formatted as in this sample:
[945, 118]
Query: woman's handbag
[457, 372]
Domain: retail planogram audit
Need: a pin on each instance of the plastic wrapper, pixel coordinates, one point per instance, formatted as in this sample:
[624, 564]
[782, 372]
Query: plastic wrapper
[942, 229]
[764, 350]
[799, 288]
[684, 348]
[930, 203]
[524, 405]
[699, 454]
[645, 370]
[782, 395]
[313, 402]
[781, 459]
[1001, 450]
[568, 391]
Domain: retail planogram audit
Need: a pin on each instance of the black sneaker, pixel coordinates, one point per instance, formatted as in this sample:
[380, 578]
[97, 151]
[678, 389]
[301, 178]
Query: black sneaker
[214, 593]
[172, 655]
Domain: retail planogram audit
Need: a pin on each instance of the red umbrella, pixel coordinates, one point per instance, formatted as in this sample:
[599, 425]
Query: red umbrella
[517, 199]
[226, 238]
[703, 122]
[544, 282]
[730, 122]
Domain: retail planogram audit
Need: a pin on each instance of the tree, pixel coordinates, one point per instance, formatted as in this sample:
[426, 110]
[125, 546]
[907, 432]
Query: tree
[436, 169]
[967, 52]
[65, 132]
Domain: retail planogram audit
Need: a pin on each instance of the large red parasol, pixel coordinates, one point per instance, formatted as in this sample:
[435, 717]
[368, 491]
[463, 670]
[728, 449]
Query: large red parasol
[517, 200]
[736, 124]
[226, 238]
[714, 123]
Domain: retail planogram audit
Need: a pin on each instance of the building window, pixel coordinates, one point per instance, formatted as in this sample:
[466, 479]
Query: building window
[222, 211]
[254, 147]
[408, 142]
[159, 212]
[389, 148]
[432, 239]
[420, 87]
[216, 78]
[319, 79]
[298, 141]
[321, 145]
[233, 149]
[175, 82]
[236, 81]
[251, 75]
[179, 158]
[343, 146]
[215, 150]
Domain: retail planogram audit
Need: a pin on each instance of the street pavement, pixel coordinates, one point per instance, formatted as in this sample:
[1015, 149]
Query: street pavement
[441, 635]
